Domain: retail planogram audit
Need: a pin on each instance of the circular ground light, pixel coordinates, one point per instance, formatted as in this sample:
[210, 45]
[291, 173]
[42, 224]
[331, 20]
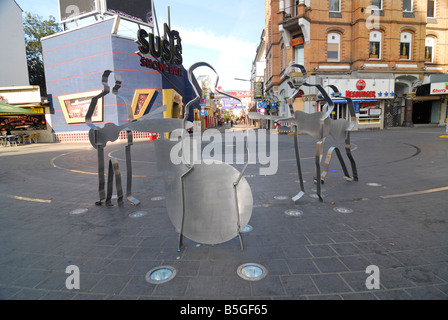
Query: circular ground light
[372, 184]
[343, 210]
[252, 271]
[247, 229]
[157, 198]
[138, 214]
[78, 211]
[314, 196]
[293, 213]
[160, 275]
[281, 197]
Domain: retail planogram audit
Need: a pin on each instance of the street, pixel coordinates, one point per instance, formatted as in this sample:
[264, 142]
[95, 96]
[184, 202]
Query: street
[393, 218]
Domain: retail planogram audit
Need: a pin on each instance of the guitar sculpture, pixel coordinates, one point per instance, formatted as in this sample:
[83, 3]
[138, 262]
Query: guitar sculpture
[207, 203]
[99, 137]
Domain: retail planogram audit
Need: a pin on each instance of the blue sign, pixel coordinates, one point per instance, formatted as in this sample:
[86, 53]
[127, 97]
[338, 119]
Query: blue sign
[202, 103]
[262, 105]
[274, 105]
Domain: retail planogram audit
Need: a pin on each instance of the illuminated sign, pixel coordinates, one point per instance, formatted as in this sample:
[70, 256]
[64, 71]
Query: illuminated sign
[360, 94]
[166, 51]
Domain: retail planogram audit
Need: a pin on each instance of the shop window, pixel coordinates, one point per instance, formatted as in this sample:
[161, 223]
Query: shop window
[335, 6]
[431, 11]
[429, 49]
[405, 46]
[340, 111]
[375, 45]
[333, 47]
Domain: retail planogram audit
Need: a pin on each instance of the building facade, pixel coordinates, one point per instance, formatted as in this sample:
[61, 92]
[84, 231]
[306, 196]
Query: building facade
[377, 52]
[74, 63]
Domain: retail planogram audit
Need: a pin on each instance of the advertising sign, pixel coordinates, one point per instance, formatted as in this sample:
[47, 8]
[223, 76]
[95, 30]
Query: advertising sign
[140, 11]
[74, 9]
[439, 88]
[75, 107]
[258, 92]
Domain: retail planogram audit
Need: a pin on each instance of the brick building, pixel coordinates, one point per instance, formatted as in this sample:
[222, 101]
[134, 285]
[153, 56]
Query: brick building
[379, 52]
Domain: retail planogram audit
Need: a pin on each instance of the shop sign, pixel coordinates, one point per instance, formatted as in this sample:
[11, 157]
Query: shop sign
[166, 51]
[20, 121]
[298, 41]
[439, 88]
[258, 92]
[242, 94]
[360, 94]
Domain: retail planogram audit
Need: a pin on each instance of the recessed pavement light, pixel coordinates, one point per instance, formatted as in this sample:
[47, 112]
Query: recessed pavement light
[138, 214]
[252, 271]
[281, 197]
[343, 210]
[160, 275]
[247, 229]
[157, 198]
[78, 211]
[293, 213]
[373, 184]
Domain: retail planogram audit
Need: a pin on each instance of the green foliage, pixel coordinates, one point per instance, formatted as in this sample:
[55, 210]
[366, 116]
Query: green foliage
[35, 28]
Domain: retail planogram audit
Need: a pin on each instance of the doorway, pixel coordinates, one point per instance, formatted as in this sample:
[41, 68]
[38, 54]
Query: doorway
[421, 113]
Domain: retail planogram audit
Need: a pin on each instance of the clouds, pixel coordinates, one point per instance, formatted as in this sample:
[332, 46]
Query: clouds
[230, 56]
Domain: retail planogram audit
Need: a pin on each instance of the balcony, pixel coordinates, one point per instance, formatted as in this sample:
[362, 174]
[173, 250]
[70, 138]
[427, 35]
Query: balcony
[291, 21]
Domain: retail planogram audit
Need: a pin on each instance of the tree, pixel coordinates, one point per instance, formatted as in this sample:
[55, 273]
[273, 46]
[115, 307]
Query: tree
[35, 28]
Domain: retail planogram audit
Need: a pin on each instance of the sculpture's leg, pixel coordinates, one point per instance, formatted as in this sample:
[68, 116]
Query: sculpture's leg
[299, 167]
[101, 179]
[182, 199]
[129, 195]
[319, 151]
[114, 170]
[350, 157]
[341, 161]
[238, 225]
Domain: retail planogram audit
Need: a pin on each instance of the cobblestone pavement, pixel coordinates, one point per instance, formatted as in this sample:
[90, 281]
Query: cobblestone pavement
[396, 221]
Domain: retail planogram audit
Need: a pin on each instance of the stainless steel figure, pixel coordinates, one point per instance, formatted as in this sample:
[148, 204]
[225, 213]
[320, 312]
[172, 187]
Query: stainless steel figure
[207, 203]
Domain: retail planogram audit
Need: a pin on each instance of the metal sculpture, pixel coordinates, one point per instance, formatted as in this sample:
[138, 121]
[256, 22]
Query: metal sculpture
[99, 137]
[317, 125]
[320, 125]
[191, 184]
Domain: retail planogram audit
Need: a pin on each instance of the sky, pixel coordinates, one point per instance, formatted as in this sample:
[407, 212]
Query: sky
[223, 33]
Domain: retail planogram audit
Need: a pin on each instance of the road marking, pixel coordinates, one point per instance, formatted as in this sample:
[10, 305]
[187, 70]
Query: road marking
[52, 162]
[414, 193]
[29, 199]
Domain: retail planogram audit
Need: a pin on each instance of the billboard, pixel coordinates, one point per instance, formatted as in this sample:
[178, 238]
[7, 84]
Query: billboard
[140, 11]
[75, 9]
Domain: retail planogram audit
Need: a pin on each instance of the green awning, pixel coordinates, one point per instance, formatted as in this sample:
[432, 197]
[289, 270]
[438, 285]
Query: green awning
[7, 108]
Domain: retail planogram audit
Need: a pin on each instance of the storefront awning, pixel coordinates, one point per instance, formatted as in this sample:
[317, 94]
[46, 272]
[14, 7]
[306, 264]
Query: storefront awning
[7, 108]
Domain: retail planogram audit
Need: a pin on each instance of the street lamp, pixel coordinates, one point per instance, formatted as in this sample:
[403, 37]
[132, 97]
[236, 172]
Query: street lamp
[243, 79]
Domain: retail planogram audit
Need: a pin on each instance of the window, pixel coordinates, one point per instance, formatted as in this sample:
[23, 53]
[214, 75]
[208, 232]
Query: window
[408, 6]
[405, 46]
[375, 45]
[333, 47]
[429, 50]
[377, 3]
[299, 55]
[335, 6]
[431, 13]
